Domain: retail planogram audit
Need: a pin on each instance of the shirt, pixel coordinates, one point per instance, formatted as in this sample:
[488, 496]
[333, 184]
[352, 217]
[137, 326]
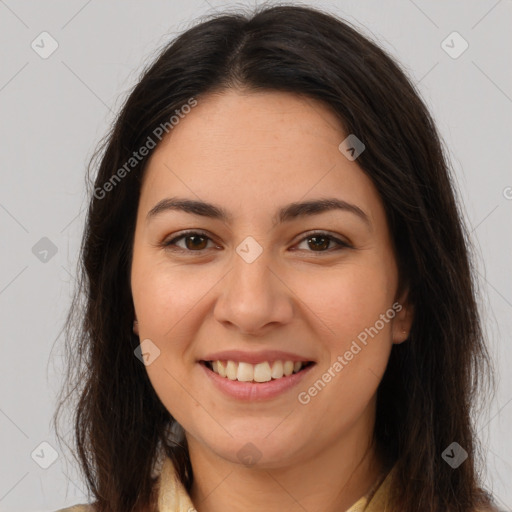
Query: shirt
[173, 497]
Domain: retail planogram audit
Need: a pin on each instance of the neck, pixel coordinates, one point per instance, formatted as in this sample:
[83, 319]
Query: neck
[331, 480]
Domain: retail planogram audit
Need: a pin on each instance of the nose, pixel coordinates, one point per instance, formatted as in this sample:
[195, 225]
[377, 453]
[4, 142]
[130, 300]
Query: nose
[254, 296]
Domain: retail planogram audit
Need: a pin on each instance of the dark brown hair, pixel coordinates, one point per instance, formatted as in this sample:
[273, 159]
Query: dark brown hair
[426, 398]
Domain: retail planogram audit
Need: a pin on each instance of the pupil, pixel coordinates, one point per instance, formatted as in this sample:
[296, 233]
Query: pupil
[195, 243]
[321, 246]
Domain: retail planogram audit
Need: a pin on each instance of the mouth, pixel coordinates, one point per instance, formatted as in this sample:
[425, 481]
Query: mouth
[265, 371]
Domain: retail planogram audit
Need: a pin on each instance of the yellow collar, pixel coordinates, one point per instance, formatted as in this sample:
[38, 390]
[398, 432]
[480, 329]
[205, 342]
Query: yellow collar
[173, 497]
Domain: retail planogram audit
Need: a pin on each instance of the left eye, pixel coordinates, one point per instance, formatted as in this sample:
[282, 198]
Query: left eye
[322, 241]
[196, 241]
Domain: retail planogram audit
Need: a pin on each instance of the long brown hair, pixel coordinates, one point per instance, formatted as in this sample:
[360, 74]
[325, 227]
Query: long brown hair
[426, 398]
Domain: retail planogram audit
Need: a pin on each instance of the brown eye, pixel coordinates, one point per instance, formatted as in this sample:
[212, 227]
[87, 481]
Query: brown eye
[319, 242]
[197, 241]
[194, 241]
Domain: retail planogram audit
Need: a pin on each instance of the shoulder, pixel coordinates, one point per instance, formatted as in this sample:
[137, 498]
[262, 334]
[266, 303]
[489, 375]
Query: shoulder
[77, 508]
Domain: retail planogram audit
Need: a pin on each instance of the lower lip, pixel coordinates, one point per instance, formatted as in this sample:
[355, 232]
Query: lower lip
[251, 391]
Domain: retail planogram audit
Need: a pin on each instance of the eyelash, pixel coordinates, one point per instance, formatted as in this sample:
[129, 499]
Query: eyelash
[168, 244]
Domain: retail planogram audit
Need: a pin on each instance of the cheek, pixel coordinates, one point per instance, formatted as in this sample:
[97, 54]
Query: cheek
[357, 343]
[348, 300]
[163, 297]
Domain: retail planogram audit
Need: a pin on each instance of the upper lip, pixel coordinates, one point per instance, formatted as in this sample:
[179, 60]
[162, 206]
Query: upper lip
[255, 357]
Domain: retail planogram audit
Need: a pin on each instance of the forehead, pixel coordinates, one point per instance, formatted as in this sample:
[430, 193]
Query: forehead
[256, 151]
[232, 121]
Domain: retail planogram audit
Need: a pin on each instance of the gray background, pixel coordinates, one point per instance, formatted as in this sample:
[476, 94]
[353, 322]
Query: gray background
[54, 110]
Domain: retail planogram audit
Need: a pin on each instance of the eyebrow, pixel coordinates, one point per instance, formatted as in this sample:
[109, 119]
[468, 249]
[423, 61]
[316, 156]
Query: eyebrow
[287, 213]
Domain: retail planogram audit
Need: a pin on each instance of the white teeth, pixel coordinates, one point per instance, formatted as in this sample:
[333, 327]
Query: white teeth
[288, 368]
[261, 372]
[245, 372]
[277, 370]
[221, 368]
[231, 370]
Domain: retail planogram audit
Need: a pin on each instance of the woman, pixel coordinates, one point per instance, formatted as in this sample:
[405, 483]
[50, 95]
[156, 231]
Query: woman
[279, 309]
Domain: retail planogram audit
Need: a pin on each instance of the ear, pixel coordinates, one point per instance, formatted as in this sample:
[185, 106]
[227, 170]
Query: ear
[402, 322]
[136, 326]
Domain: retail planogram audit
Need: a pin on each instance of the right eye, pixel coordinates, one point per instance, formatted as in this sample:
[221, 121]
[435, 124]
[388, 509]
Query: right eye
[194, 241]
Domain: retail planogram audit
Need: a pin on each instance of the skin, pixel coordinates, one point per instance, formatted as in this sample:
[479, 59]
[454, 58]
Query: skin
[252, 153]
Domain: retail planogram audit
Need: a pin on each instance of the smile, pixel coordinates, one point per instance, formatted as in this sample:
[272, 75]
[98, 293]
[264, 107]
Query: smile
[261, 372]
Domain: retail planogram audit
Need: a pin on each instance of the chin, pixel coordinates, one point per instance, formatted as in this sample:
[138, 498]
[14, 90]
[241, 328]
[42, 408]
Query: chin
[262, 451]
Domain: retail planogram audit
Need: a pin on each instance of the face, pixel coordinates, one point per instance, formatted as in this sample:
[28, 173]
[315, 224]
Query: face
[230, 299]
